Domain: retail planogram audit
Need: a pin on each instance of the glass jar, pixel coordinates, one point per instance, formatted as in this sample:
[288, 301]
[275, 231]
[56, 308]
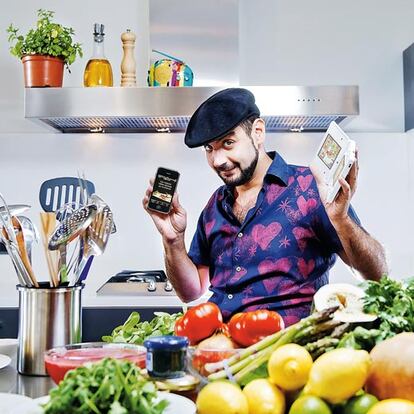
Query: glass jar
[166, 356]
[186, 386]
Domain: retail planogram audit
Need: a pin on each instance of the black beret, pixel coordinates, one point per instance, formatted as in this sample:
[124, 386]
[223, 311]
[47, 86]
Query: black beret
[218, 115]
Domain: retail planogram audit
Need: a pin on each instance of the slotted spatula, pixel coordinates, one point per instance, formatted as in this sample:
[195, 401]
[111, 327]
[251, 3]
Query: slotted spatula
[57, 192]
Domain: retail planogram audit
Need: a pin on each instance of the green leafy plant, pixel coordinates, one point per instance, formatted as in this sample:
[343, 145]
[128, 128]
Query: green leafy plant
[133, 331]
[393, 302]
[108, 386]
[48, 38]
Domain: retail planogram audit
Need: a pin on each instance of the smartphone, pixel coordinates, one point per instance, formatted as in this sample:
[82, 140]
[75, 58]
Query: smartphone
[163, 191]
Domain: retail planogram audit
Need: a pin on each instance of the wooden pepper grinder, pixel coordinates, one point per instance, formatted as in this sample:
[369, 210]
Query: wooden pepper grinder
[128, 65]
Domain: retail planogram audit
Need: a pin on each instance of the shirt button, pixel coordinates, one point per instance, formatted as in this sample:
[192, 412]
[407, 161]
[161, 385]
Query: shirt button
[238, 268]
[230, 296]
[240, 235]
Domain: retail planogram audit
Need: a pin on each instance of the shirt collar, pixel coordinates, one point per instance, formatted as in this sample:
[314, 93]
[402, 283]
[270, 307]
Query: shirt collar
[278, 168]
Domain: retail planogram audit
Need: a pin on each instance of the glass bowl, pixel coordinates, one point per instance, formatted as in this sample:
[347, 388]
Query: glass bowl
[198, 360]
[64, 358]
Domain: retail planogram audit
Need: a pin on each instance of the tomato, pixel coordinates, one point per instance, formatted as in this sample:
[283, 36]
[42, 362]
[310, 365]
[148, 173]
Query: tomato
[199, 322]
[250, 327]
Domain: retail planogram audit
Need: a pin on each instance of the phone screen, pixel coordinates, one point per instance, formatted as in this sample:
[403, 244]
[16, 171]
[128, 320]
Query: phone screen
[163, 191]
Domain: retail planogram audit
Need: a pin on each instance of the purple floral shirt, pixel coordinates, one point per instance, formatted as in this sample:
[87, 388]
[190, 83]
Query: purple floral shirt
[279, 256]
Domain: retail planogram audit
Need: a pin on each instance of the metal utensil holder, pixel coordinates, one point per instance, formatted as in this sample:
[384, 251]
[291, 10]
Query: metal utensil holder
[48, 317]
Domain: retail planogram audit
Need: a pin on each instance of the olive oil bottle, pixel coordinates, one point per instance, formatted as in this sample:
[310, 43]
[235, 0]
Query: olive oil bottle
[98, 71]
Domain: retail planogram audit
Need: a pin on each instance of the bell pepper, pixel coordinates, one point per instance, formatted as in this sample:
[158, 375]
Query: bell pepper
[250, 327]
[199, 322]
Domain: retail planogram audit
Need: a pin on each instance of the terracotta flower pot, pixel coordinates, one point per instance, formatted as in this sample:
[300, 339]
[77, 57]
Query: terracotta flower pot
[42, 71]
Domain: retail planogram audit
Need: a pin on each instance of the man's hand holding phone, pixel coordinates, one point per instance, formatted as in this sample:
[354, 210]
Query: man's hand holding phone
[161, 203]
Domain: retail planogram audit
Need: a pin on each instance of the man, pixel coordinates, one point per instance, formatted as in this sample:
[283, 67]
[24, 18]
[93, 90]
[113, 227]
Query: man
[267, 238]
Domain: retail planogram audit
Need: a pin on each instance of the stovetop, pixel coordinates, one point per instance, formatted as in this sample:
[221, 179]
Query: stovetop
[137, 283]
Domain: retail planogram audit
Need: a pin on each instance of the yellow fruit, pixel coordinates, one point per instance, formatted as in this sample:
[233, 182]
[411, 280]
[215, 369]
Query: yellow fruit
[338, 375]
[221, 397]
[264, 398]
[393, 406]
[289, 367]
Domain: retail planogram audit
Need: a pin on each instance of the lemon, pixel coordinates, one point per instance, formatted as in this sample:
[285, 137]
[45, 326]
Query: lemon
[289, 367]
[310, 405]
[221, 397]
[360, 404]
[393, 406]
[264, 398]
[338, 374]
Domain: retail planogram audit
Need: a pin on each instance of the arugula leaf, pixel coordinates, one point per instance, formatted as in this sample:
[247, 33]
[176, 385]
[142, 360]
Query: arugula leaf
[135, 332]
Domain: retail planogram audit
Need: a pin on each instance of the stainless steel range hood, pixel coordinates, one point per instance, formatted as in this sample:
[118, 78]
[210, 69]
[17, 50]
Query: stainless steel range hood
[115, 110]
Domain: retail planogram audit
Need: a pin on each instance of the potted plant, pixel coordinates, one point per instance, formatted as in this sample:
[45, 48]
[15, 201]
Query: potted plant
[44, 50]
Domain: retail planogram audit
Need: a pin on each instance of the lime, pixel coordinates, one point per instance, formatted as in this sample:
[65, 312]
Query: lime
[264, 398]
[310, 405]
[221, 397]
[360, 404]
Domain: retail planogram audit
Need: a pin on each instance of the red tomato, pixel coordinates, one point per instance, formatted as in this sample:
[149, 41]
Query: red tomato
[199, 322]
[250, 327]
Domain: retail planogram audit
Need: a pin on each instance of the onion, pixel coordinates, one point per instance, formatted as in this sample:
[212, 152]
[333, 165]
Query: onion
[218, 341]
[392, 369]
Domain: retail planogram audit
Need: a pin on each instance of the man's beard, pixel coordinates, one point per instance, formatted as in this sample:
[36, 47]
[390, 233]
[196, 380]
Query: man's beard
[245, 173]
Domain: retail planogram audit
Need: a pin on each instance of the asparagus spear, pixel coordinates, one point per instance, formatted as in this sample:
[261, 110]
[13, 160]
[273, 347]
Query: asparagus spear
[320, 346]
[315, 332]
[251, 351]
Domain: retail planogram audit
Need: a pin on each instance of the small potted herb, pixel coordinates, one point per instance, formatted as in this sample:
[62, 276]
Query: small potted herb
[44, 50]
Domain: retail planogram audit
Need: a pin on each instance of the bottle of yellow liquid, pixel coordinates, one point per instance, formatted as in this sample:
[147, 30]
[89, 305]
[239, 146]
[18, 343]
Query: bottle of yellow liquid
[98, 71]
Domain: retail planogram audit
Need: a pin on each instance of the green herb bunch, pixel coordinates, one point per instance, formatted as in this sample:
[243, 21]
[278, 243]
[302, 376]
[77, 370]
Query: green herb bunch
[393, 302]
[135, 332]
[48, 38]
[109, 386]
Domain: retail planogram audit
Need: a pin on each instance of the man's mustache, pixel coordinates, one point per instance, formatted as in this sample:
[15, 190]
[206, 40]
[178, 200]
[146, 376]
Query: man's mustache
[225, 167]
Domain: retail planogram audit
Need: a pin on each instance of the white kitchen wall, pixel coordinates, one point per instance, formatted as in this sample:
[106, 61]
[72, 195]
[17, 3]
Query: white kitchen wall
[331, 42]
[281, 42]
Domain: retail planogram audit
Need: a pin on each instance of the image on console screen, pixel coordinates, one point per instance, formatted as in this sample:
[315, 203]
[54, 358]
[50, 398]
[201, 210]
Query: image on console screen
[329, 151]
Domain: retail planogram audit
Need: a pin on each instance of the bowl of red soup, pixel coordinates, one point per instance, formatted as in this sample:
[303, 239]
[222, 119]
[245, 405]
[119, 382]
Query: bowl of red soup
[62, 359]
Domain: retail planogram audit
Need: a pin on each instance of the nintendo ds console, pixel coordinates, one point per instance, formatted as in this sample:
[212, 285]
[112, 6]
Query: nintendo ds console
[334, 158]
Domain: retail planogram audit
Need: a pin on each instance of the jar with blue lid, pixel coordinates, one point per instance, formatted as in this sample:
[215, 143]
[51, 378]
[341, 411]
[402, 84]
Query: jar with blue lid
[166, 356]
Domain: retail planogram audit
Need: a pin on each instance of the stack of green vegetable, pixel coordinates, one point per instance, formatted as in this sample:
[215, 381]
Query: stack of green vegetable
[392, 301]
[109, 386]
[135, 332]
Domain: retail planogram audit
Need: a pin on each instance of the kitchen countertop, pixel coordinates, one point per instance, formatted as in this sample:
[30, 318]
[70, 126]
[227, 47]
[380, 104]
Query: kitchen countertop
[11, 301]
[31, 386]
